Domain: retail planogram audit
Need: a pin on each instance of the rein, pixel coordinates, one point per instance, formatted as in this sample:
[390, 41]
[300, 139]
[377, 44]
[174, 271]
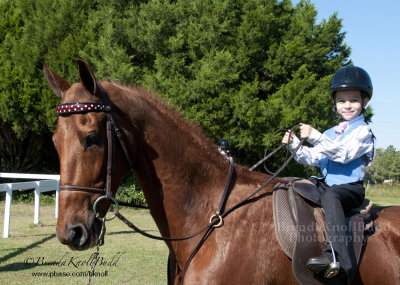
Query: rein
[216, 220]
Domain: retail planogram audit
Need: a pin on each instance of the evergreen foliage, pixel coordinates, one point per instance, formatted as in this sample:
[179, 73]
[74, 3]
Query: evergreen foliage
[240, 69]
[385, 166]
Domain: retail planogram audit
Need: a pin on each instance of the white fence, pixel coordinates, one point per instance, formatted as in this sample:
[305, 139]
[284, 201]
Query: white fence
[50, 183]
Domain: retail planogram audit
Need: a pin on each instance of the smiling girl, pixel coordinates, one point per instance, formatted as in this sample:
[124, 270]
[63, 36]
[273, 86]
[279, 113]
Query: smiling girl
[342, 153]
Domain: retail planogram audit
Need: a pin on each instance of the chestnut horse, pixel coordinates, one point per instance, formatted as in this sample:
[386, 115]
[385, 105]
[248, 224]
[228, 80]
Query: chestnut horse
[183, 175]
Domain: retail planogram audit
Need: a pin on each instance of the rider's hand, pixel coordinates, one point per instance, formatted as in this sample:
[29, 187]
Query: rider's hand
[305, 130]
[287, 138]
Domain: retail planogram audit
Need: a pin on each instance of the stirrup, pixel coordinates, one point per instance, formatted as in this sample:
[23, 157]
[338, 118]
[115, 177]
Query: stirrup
[334, 267]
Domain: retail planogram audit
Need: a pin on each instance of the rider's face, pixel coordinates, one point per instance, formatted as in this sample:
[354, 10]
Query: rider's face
[349, 103]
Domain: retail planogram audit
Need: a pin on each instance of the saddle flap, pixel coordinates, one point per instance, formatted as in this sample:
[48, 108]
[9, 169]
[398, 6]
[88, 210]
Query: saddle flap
[308, 241]
[307, 190]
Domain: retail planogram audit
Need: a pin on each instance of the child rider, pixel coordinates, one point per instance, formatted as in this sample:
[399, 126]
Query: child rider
[342, 153]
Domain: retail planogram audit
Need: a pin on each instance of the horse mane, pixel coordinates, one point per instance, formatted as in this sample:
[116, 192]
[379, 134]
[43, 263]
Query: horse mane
[171, 113]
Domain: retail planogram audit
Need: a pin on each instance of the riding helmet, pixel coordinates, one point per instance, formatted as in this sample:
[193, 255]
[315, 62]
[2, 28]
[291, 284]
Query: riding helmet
[351, 77]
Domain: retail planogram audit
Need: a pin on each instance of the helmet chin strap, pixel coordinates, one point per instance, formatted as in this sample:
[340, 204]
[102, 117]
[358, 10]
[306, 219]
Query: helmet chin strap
[363, 102]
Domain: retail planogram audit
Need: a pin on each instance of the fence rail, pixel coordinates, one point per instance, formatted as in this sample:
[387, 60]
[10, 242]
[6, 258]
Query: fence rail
[49, 183]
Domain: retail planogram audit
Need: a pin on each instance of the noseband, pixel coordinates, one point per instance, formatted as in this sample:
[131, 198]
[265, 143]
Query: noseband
[67, 109]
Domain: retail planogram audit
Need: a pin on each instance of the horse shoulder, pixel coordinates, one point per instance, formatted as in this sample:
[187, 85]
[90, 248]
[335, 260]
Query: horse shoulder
[245, 250]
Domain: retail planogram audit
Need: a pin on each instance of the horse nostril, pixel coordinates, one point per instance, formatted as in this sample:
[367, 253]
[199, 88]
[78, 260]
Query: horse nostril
[77, 235]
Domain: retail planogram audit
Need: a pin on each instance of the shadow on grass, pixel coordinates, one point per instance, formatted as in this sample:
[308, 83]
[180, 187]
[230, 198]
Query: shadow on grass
[21, 265]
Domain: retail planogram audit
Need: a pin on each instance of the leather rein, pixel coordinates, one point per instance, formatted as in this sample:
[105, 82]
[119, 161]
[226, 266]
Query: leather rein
[66, 109]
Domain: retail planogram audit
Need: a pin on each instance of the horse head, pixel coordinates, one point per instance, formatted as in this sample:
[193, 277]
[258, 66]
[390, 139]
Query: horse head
[81, 142]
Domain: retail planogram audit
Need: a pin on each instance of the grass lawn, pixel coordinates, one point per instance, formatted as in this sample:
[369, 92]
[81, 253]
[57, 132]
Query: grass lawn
[34, 250]
[383, 196]
[33, 255]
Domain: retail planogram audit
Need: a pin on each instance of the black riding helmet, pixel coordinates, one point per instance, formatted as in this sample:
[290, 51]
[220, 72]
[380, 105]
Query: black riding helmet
[351, 77]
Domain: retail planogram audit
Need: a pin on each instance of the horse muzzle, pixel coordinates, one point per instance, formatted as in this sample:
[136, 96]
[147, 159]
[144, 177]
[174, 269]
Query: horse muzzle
[79, 237]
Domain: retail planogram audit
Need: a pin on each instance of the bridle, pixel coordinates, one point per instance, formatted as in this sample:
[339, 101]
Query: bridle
[66, 109]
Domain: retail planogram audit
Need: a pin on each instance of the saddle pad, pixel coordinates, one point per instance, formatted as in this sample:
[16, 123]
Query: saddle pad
[285, 228]
[285, 223]
[309, 244]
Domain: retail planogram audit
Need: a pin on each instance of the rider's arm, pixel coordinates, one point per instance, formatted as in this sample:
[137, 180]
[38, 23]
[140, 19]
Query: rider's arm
[354, 145]
[304, 155]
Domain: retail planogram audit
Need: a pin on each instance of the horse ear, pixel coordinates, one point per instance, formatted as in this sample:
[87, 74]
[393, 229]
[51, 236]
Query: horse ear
[87, 77]
[58, 84]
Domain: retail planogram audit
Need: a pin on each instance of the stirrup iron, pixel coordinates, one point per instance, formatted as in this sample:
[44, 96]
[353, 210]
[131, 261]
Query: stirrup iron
[334, 267]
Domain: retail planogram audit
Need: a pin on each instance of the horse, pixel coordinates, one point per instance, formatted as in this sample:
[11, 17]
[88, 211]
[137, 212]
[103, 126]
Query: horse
[182, 175]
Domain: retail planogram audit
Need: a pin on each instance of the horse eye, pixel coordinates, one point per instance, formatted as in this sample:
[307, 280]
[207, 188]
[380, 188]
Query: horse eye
[92, 140]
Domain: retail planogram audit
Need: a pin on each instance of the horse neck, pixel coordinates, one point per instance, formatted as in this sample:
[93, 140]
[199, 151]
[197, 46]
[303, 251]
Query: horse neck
[181, 173]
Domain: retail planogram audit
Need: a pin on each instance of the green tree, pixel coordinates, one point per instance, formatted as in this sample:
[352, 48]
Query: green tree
[33, 32]
[240, 69]
[386, 165]
[227, 64]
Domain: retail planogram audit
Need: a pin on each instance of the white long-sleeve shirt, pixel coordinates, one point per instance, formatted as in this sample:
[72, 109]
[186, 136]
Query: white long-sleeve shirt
[358, 143]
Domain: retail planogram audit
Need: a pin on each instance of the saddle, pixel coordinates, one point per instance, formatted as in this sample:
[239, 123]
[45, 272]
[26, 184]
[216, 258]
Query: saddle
[300, 225]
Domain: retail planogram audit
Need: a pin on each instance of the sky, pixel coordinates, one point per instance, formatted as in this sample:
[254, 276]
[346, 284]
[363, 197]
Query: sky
[373, 32]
